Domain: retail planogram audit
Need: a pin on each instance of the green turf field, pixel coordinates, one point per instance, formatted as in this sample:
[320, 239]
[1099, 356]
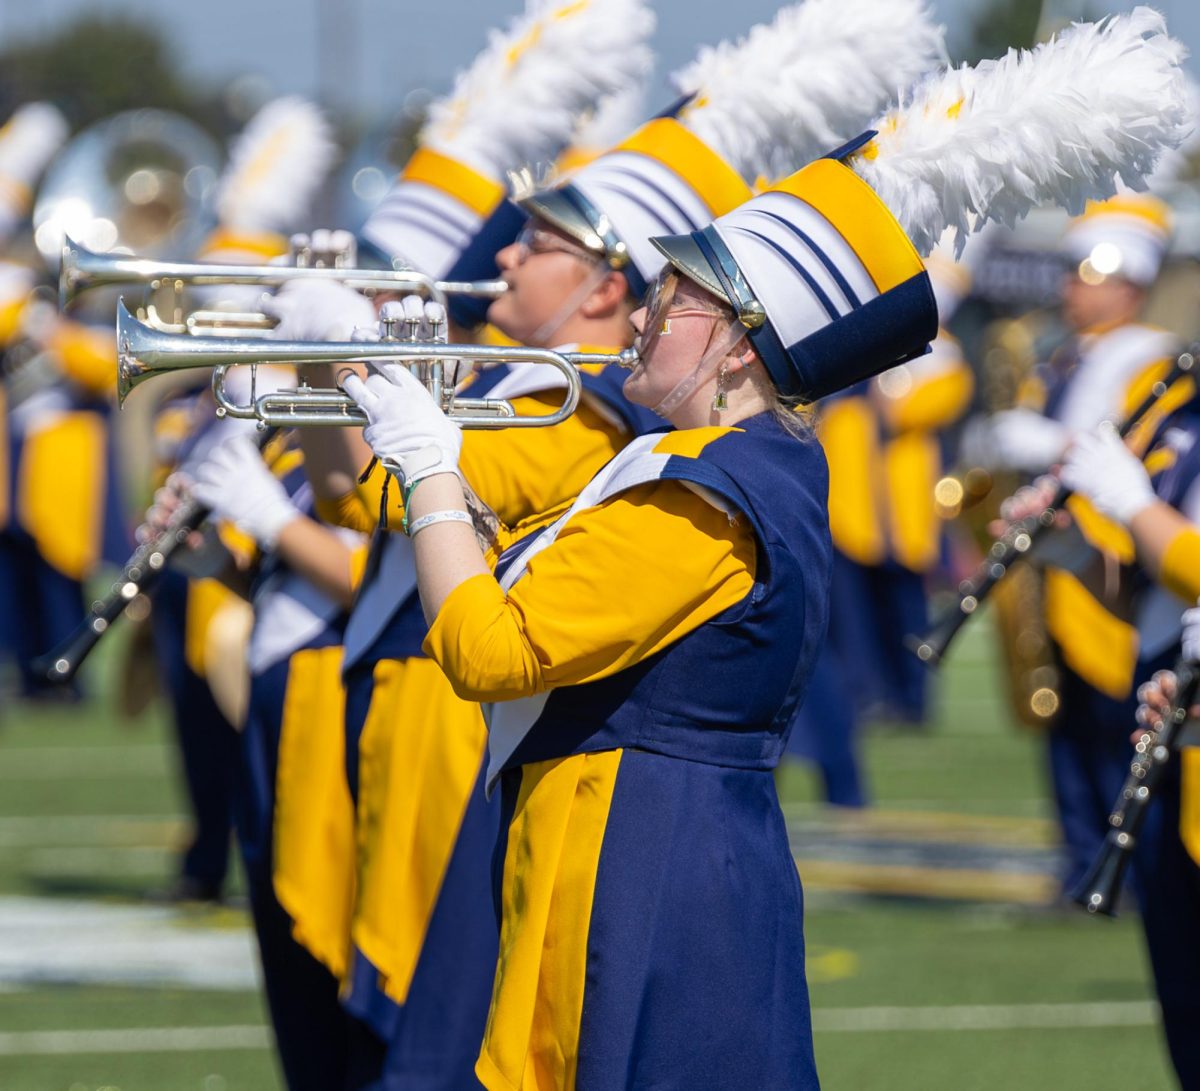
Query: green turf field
[977, 986]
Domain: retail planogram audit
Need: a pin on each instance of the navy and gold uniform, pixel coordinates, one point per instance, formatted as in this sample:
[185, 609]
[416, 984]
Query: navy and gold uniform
[634, 748]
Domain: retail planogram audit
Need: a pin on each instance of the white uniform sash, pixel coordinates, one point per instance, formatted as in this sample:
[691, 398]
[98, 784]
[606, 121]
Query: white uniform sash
[510, 721]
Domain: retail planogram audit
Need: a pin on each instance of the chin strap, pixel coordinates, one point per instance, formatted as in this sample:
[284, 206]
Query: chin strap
[547, 333]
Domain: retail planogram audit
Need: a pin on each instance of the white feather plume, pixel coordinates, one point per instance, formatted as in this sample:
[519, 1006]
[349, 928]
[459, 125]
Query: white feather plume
[809, 80]
[1059, 124]
[614, 118]
[276, 165]
[520, 100]
[29, 141]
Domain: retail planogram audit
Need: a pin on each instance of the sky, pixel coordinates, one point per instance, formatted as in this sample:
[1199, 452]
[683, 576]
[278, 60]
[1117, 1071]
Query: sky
[389, 47]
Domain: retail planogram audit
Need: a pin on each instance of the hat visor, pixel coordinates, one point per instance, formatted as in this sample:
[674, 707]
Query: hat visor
[683, 252]
[557, 210]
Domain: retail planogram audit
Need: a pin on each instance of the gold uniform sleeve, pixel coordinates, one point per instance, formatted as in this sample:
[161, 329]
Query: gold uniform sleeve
[349, 510]
[1181, 565]
[622, 581]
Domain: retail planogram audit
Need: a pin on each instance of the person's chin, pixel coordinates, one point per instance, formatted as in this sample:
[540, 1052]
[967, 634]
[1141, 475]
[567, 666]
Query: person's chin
[498, 315]
[634, 389]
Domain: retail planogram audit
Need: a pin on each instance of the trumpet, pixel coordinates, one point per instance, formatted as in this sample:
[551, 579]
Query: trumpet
[1022, 536]
[144, 352]
[1100, 889]
[83, 270]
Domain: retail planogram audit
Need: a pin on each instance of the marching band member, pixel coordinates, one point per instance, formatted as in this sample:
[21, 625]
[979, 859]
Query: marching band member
[1117, 248]
[58, 511]
[200, 626]
[643, 648]
[573, 277]
[1155, 501]
[422, 1022]
[298, 876]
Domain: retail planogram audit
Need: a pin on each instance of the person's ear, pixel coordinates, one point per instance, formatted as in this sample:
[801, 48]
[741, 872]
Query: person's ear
[607, 297]
[742, 359]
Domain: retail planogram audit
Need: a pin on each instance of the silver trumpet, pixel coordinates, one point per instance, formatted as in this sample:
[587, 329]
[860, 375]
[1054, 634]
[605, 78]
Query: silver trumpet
[144, 352]
[83, 269]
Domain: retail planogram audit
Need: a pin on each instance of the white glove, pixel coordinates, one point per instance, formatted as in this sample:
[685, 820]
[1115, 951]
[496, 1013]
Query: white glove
[409, 434]
[317, 310]
[236, 485]
[1022, 439]
[1191, 633]
[1100, 467]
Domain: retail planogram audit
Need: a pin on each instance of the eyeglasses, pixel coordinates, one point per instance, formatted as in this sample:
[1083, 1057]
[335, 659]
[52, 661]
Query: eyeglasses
[663, 302]
[537, 240]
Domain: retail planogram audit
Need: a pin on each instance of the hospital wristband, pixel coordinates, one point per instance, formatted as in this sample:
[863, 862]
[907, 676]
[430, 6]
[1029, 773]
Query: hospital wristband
[453, 515]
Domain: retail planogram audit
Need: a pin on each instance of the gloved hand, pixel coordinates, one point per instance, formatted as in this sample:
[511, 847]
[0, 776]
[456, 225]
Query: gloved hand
[409, 434]
[1191, 633]
[1100, 467]
[312, 310]
[1021, 439]
[236, 485]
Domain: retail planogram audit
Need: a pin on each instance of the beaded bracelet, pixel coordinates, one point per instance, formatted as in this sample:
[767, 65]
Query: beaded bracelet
[453, 515]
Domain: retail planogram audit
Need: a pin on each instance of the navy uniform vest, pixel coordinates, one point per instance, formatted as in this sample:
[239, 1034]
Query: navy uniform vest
[726, 693]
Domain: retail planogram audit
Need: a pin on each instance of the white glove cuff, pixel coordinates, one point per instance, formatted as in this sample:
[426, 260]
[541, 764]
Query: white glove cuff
[426, 462]
[270, 520]
[1135, 500]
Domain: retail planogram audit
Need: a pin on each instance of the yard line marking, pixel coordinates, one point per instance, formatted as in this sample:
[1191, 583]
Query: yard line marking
[26, 831]
[954, 884]
[89, 762]
[1131, 1013]
[1136, 1013]
[134, 1040]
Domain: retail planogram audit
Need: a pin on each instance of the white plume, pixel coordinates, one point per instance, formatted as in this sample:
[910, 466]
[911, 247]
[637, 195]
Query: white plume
[519, 101]
[809, 80]
[29, 141]
[615, 117]
[276, 165]
[1058, 124]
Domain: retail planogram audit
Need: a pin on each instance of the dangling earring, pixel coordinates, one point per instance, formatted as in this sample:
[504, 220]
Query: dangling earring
[720, 402]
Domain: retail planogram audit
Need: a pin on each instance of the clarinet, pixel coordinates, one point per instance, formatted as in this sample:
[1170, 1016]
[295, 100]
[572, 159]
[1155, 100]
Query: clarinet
[139, 575]
[1100, 888]
[1021, 537]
